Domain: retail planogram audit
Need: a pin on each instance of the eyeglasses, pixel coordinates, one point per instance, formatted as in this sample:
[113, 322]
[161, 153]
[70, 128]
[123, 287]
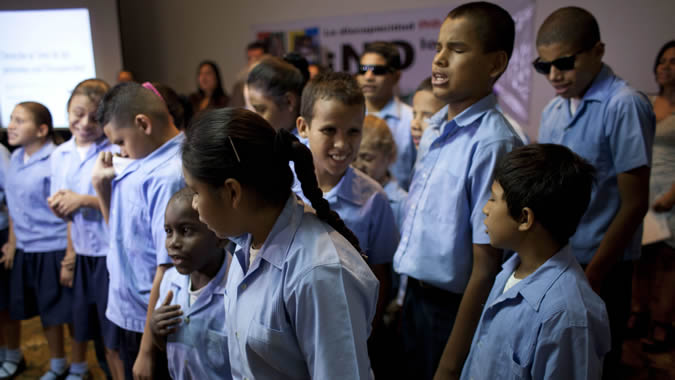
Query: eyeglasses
[562, 64]
[376, 69]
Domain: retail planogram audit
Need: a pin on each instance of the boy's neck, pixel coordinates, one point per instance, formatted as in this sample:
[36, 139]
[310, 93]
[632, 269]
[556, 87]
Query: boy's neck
[455, 108]
[166, 134]
[327, 181]
[200, 278]
[534, 250]
[34, 146]
[376, 105]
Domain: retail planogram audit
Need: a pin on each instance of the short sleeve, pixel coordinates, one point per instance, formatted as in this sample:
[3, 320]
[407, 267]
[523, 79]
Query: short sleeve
[331, 310]
[630, 126]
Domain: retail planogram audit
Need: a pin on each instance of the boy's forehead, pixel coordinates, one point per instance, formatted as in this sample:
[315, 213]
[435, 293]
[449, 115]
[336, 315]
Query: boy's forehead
[555, 50]
[463, 29]
[372, 58]
[332, 107]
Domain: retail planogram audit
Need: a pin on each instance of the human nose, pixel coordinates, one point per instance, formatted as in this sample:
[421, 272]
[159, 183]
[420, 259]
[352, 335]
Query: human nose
[554, 74]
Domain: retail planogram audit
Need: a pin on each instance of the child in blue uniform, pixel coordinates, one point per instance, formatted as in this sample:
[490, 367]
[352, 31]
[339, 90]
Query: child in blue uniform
[37, 238]
[189, 323]
[331, 119]
[542, 320]
[601, 118]
[11, 359]
[133, 201]
[73, 199]
[300, 299]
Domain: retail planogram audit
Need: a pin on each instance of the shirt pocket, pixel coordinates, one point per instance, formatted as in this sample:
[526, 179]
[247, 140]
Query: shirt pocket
[216, 349]
[269, 348]
[515, 368]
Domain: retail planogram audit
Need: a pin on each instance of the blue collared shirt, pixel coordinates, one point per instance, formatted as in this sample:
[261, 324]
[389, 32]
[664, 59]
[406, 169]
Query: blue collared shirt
[613, 128]
[304, 307]
[451, 185]
[550, 325]
[398, 116]
[4, 165]
[88, 230]
[36, 228]
[137, 237]
[198, 348]
[397, 197]
[363, 206]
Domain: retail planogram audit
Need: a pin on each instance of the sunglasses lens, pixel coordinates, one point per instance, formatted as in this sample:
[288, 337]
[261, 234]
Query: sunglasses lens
[380, 70]
[542, 67]
[563, 64]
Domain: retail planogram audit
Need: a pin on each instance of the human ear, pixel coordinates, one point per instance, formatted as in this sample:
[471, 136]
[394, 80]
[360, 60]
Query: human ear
[42, 130]
[232, 193]
[526, 220]
[144, 123]
[499, 63]
[303, 127]
[291, 101]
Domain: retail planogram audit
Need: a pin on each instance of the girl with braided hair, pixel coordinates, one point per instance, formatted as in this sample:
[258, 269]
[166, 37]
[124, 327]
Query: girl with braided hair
[299, 299]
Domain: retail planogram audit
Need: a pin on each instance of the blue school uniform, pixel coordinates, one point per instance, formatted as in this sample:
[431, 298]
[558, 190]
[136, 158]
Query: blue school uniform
[363, 206]
[4, 231]
[398, 116]
[550, 325]
[137, 237]
[451, 185]
[89, 235]
[613, 129]
[40, 241]
[198, 349]
[88, 230]
[303, 309]
[28, 186]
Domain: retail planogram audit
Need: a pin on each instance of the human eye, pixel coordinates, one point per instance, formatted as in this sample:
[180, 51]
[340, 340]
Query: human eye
[328, 131]
[439, 47]
[168, 230]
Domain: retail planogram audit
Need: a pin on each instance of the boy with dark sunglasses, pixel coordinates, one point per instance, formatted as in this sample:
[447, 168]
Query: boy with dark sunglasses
[378, 74]
[598, 116]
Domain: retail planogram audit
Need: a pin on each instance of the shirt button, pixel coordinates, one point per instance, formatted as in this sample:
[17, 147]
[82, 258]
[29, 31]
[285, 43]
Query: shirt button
[243, 286]
[187, 319]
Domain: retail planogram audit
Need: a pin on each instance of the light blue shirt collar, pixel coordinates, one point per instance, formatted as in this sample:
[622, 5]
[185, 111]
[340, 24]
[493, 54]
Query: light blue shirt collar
[42, 153]
[278, 242]
[215, 286]
[392, 109]
[544, 277]
[347, 189]
[466, 117]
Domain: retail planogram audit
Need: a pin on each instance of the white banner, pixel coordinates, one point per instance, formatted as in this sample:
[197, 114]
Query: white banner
[337, 42]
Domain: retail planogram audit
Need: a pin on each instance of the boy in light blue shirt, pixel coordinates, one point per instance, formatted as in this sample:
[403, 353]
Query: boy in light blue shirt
[133, 203]
[444, 249]
[542, 320]
[378, 75]
[598, 116]
[189, 321]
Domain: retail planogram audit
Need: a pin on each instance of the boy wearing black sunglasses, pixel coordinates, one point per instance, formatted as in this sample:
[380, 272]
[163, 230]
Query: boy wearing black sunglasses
[378, 74]
[598, 116]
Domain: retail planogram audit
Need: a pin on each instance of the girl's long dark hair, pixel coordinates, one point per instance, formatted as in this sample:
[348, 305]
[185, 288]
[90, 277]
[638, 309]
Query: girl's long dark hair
[239, 144]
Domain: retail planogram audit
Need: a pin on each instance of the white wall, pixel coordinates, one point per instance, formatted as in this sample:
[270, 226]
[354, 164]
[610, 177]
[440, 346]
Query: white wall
[164, 40]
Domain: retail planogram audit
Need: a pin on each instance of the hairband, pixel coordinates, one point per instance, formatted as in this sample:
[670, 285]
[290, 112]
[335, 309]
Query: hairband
[152, 88]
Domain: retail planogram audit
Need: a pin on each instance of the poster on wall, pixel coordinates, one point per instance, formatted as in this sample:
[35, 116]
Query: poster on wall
[337, 42]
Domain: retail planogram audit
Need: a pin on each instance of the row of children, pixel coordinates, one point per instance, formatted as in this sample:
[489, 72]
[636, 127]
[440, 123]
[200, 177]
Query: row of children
[298, 298]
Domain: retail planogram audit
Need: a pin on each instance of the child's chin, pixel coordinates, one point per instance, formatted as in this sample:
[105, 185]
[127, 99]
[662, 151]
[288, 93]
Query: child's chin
[183, 270]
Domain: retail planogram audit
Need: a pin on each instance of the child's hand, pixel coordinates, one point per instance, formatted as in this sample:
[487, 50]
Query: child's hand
[64, 202]
[103, 172]
[165, 319]
[662, 204]
[67, 270]
[8, 251]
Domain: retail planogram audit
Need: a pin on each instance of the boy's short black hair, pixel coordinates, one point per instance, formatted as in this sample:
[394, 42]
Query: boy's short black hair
[126, 100]
[425, 85]
[494, 26]
[185, 194]
[570, 25]
[328, 86]
[388, 51]
[255, 45]
[554, 182]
